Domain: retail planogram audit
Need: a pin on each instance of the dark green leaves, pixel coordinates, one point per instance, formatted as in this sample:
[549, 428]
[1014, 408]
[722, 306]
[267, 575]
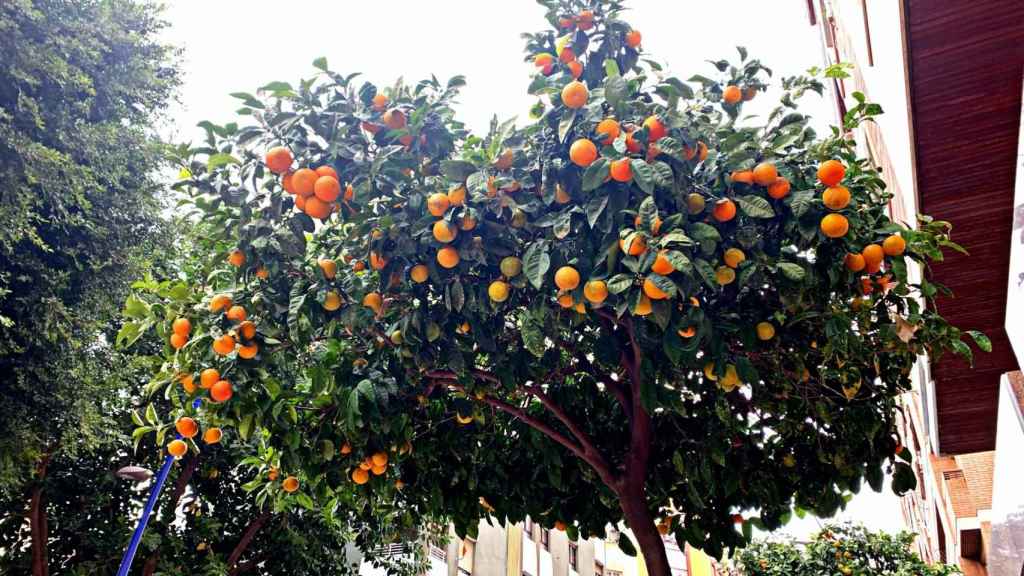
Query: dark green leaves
[981, 340]
[643, 175]
[536, 262]
[457, 170]
[595, 175]
[791, 270]
[755, 206]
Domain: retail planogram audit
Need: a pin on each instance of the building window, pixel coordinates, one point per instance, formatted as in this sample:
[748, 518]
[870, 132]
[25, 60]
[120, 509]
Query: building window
[545, 538]
[574, 554]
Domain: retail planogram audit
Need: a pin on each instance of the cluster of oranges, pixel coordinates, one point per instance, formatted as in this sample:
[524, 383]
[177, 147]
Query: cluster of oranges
[316, 191]
[733, 94]
[180, 330]
[243, 334]
[835, 197]
[377, 464]
[188, 428]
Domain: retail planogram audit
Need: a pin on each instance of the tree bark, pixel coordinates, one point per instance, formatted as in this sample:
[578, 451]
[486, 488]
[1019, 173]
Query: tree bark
[243, 543]
[648, 539]
[38, 524]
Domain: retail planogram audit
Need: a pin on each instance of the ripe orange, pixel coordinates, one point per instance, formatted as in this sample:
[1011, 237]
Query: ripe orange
[583, 152]
[566, 22]
[326, 170]
[304, 180]
[732, 94]
[643, 306]
[498, 291]
[219, 302]
[419, 273]
[566, 301]
[224, 345]
[567, 278]
[377, 262]
[655, 129]
[438, 203]
[575, 68]
[585, 20]
[595, 291]
[380, 102]
[221, 391]
[457, 196]
[278, 159]
[380, 459]
[701, 152]
[188, 382]
[655, 226]
[209, 377]
[360, 476]
[688, 332]
[636, 248]
[566, 55]
[631, 144]
[622, 170]
[236, 258]
[327, 188]
[177, 448]
[575, 94]
[213, 435]
[724, 210]
[317, 208]
[742, 176]
[765, 174]
[444, 232]
[178, 341]
[332, 301]
[733, 257]
[247, 329]
[725, 275]
[836, 197]
[373, 301]
[544, 61]
[835, 225]
[300, 203]
[262, 273]
[186, 426]
[765, 331]
[610, 129]
[662, 265]
[286, 183]
[181, 326]
[831, 172]
[328, 267]
[349, 193]
[394, 119]
[290, 484]
[652, 291]
[894, 245]
[633, 38]
[779, 189]
[873, 255]
[854, 262]
[236, 313]
[447, 257]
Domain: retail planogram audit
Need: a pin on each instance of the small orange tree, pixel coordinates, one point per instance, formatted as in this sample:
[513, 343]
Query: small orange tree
[633, 309]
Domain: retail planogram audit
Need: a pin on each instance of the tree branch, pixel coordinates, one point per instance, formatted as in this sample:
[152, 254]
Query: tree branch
[247, 536]
[640, 430]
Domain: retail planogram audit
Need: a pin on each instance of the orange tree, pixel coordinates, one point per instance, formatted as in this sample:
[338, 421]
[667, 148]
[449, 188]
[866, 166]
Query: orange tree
[636, 308]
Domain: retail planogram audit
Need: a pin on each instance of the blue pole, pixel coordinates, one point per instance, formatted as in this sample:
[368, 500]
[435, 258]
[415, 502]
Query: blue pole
[154, 495]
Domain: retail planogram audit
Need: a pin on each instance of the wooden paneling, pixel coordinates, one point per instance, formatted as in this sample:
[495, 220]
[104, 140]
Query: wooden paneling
[965, 62]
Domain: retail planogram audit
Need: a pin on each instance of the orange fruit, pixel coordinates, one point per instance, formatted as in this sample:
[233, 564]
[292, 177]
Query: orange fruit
[655, 226]
[595, 291]
[688, 332]
[583, 152]
[544, 61]
[733, 257]
[346, 449]
[317, 208]
[236, 313]
[638, 247]
[765, 331]
[377, 262]
[290, 484]
[213, 435]
[610, 129]
[725, 275]
[575, 94]
[456, 196]
[419, 273]
[566, 301]
[655, 129]
[349, 193]
[575, 68]
[394, 119]
[873, 255]
[262, 273]
[732, 94]
[444, 232]
[631, 144]
[327, 188]
[188, 382]
[332, 301]
[177, 448]
[304, 180]
[765, 174]
[447, 257]
[894, 245]
[272, 474]
[178, 341]
[373, 301]
[498, 291]
[633, 38]
[854, 262]
[209, 377]
[561, 196]
[724, 210]
[643, 306]
[220, 302]
[566, 55]
[278, 159]
[836, 197]
[248, 351]
[236, 258]
[438, 203]
[326, 170]
[286, 183]
[186, 426]
[566, 22]
[779, 189]
[567, 278]
[380, 459]
[181, 326]
[831, 172]
[742, 176]
[622, 170]
[749, 92]
[652, 291]
[662, 265]
[380, 102]
[328, 267]
[360, 476]
[835, 225]
[585, 20]
[224, 345]
[221, 391]
[300, 203]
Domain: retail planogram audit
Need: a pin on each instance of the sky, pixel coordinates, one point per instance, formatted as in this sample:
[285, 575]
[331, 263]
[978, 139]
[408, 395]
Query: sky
[239, 45]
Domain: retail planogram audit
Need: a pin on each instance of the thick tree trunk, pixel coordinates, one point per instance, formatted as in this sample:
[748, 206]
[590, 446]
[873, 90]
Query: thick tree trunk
[243, 543]
[39, 532]
[648, 539]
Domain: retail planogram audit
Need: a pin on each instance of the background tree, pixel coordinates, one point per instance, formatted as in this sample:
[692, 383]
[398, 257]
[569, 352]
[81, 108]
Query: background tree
[838, 549]
[636, 308]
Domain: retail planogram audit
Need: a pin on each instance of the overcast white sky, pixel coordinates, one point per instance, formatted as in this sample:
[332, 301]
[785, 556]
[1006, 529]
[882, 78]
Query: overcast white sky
[239, 45]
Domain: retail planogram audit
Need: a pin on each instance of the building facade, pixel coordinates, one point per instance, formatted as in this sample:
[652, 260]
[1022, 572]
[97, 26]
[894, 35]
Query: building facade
[946, 71]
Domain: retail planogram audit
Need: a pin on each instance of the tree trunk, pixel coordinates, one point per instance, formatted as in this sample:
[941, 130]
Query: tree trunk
[648, 539]
[243, 543]
[38, 528]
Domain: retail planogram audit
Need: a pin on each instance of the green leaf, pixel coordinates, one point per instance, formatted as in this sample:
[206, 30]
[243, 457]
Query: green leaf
[619, 283]
[532, 332]
[217, 160]
[755, 206]
[981, 340]
[296, 300]
[303, 500]
[458, 170]
[707, 273]
[616, 91]
[536, 262]
[565, 125]
[626, 545]
[611, 67]
[595, 207]
[135, 307]
[679, 261]
[800, 202]
[663, 284]
[320, 63]
[595, 175]
[792, 271]
[151, 415]
[702, 232]
[643, 175]
[245, 427]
